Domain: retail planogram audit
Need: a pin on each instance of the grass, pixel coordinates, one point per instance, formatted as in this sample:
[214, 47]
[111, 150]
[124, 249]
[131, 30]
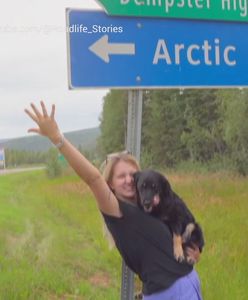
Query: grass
[220, 204]
[52, 247]
[51, 240]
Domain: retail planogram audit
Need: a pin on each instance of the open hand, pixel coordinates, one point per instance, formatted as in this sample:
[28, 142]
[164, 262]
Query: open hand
[47, 125]
[193, 254]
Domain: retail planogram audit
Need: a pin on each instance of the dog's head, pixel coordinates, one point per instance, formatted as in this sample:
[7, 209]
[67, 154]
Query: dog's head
[152, 189]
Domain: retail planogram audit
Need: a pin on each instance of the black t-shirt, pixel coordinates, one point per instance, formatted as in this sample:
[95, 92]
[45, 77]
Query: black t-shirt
[145, 244]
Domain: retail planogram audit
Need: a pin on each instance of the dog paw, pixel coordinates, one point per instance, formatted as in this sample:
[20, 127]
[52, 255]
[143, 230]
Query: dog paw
[178, 248]
[179, 256]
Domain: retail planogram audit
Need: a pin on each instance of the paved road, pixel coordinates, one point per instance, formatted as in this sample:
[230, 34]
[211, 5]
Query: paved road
[18, 170]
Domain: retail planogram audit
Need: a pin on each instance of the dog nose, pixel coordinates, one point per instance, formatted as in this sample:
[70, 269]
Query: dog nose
[146, 202]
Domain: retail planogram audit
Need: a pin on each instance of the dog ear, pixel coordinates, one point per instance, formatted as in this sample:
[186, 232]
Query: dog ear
[166, 188]
[136, 177]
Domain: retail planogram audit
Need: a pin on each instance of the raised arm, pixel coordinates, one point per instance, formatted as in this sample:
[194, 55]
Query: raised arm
[47, 126]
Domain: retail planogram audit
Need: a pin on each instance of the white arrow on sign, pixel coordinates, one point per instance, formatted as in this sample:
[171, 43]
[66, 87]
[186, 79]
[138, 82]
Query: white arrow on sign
[102, 48]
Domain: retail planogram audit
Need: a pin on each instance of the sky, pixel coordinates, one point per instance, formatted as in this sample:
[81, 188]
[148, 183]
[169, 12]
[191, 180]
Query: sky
[33, 67]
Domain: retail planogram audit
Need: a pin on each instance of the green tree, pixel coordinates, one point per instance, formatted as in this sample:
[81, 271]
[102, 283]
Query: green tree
[202, 133]
[113, 122]
[234, 105]
[162, 127]
[19, 157]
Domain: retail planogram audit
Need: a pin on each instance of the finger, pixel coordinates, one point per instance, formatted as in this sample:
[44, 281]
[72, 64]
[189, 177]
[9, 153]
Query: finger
[35, 130]
[38, 114]
[190, 251]
[53, 112]
[31, 115]
[43, 109]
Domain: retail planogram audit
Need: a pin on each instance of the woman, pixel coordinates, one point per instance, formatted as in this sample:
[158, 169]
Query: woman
[144, 242]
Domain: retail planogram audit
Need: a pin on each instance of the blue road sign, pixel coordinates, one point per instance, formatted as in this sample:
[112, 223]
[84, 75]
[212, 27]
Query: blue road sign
[2, 158]
[124, 52]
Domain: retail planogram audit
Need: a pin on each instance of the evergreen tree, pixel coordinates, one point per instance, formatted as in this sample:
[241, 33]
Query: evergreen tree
[235, 126]
[198, 125]
[162, 127]
[202, 135]
[113, 122]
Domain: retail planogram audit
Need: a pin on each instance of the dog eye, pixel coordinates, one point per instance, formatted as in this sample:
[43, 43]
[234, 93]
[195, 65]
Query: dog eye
[143, 184]
[154, 186]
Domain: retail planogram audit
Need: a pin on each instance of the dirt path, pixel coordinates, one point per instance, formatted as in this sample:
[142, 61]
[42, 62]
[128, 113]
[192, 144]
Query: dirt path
[18, 170]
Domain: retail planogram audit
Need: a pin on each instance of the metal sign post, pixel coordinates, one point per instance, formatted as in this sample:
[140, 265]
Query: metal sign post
[134, 121]
[135, 98]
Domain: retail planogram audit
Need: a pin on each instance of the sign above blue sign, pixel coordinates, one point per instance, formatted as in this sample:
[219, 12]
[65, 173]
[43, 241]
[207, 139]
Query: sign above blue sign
[123, 52]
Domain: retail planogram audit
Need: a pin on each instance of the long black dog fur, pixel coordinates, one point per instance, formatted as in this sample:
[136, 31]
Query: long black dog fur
[167, 206]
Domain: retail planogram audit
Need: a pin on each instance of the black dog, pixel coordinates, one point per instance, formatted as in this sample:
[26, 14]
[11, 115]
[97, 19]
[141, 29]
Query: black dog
[155, 196]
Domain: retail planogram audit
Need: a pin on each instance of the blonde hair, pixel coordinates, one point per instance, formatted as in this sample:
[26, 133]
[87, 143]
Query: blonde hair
[111, 161]
[107, 169]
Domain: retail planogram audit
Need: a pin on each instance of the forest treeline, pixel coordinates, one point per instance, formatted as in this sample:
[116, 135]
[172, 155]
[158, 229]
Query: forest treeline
[14, 158]
[183, 128]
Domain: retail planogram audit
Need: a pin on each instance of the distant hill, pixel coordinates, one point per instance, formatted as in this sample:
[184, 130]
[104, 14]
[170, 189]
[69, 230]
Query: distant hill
[2, 141]
[85, 137]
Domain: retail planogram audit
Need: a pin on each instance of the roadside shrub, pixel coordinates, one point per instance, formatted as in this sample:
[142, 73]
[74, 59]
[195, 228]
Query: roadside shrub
[53, 165]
